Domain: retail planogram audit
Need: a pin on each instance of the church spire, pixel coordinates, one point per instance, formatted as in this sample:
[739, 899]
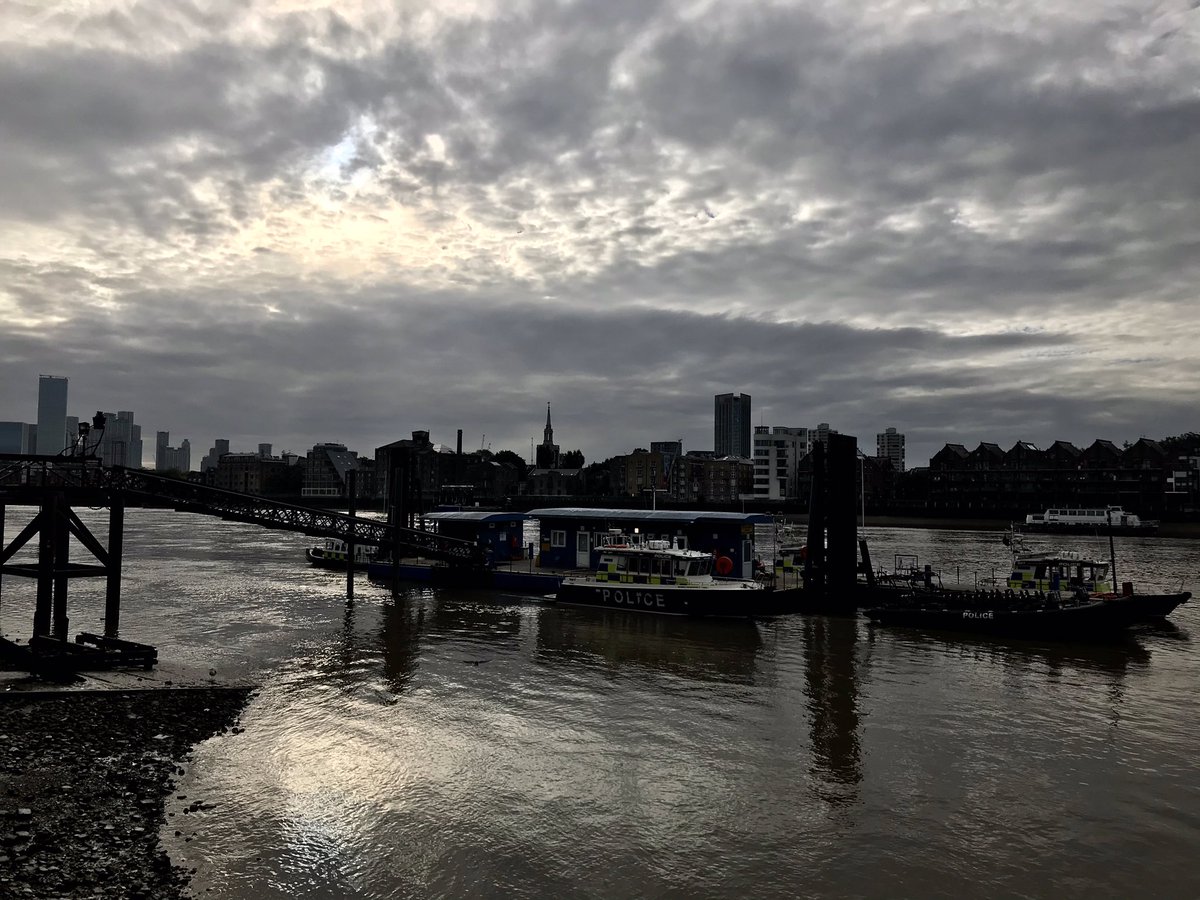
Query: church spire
[547, 451]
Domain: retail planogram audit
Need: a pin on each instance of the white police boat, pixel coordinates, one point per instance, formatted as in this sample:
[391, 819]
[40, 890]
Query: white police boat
[657, 576]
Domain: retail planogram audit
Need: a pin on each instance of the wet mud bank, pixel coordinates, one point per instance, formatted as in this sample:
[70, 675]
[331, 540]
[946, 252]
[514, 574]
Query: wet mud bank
[84, 779]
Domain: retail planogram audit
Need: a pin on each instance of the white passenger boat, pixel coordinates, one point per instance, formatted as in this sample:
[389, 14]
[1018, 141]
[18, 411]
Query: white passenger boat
[1091, 520]
[657, 576]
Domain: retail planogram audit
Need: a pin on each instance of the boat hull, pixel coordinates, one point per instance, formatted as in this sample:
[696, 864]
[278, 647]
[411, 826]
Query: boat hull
[1077, 621]
[1088, 528]
[322, 560]
[1152, 607]
[669, 600]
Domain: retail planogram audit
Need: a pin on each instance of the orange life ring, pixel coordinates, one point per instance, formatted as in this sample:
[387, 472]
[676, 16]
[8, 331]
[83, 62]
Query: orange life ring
[724, 565]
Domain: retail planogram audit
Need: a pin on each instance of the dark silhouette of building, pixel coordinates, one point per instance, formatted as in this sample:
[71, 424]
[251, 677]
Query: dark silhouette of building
[731, 425]
[547, 455]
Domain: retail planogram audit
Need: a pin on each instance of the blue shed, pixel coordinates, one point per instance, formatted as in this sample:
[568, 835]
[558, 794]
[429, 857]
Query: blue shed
[500, 534]
[568, 535]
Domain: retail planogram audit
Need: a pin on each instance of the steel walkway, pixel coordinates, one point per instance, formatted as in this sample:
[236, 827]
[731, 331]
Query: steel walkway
[25, 479]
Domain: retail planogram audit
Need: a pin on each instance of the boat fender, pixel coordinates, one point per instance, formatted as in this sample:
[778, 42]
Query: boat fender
[724, 565]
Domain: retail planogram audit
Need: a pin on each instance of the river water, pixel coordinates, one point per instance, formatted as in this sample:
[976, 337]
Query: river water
[448, 743]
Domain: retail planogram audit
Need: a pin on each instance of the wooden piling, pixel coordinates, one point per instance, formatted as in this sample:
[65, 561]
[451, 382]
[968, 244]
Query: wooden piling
[394, 520]
[814, 559]
[116, 541]
[44, 607]
[842, 518]
[352, 508]
[62, 555]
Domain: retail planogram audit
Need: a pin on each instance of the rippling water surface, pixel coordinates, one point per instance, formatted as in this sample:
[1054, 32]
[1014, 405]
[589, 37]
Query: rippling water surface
[453, 743]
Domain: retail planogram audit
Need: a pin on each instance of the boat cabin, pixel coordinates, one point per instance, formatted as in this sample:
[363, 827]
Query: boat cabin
[333, 550]
[500, 534]
[622, 559]
[1059, 572]
[1097, 517]
[568, 536]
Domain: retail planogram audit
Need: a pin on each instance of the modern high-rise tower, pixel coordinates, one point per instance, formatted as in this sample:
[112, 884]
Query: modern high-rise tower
[122, 441]
[52, 415]
[890, 445]
[731, 425]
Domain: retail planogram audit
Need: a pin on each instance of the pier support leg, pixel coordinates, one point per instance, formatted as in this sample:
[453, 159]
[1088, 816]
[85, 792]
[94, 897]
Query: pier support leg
[814, 559]
[352, 508]
[394, 519]
[842, 521]
[1, 547]
[62, 555]
[116, 540]
[45, 578]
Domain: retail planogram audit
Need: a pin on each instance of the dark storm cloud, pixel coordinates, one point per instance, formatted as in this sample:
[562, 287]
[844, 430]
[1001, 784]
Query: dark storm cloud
[974, 227]
[617, 379]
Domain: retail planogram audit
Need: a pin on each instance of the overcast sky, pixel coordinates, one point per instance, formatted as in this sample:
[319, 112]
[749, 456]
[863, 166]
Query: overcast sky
[289, 222]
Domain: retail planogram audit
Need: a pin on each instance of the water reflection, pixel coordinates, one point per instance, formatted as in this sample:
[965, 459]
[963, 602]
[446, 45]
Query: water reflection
[400, 632]
[1115, 656]
[475, 613]
[1166, 631]
[694, 648]
[832, 693]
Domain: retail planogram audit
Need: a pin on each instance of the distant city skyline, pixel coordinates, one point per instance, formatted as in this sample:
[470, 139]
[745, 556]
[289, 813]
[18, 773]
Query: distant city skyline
[897, 440]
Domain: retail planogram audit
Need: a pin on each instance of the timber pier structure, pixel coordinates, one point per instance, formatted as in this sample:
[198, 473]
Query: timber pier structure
[56, 485]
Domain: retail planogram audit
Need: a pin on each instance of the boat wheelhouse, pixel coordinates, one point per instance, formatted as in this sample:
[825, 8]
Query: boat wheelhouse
[1089, 520]
[1059, 570]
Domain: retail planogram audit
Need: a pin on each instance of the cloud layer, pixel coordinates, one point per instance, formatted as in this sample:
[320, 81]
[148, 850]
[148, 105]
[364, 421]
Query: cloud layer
[281, 222]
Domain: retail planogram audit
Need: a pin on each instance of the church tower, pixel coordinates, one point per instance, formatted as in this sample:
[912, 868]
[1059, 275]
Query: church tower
[547, 451]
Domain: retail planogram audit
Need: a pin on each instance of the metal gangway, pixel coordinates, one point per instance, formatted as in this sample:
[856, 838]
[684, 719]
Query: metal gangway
[58, 484]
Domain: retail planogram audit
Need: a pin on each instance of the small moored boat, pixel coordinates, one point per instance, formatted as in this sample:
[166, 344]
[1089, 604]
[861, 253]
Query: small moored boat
[332, 555]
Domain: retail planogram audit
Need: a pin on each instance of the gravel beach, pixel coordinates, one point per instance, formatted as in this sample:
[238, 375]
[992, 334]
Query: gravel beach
[84, 777]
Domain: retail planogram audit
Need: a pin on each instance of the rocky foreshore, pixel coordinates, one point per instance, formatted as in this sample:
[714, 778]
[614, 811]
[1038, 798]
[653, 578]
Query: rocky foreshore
[84, 778]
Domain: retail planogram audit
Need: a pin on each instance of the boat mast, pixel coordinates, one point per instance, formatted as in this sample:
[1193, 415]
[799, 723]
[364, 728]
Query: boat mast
[1112, 553]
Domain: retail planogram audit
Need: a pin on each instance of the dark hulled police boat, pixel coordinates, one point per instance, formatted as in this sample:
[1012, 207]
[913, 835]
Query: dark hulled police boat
[1060, 615]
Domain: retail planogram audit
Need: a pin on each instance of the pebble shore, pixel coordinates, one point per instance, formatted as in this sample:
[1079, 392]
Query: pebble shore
[84, 779]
